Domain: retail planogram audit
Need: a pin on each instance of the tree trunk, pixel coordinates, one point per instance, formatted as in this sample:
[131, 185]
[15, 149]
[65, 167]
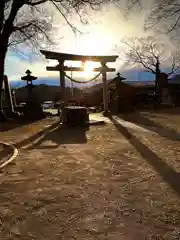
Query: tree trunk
[5, 33]
[2, 62]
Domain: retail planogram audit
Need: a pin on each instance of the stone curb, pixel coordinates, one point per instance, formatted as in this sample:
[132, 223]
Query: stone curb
[14, 154]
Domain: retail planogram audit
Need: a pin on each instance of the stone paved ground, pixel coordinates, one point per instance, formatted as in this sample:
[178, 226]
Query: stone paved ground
[113, 181]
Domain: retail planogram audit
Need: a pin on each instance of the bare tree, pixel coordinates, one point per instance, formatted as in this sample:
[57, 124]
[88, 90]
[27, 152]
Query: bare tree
[150, 54]
[165, 13]
[26, 21]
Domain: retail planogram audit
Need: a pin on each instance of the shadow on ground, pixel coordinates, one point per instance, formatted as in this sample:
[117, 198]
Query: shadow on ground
[143, 121]
[56, 133]
[61, 135]
[15, 123]
[34, 137]
[19, 121]
[160, 109]
[166, 172]
[10, 124]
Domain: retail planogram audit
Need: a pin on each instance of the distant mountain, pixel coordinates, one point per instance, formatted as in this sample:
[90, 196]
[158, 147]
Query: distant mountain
[137, 75]
[44, 92]
[56, 82]
[46, 81]
[50, 81]
[139, 84]
[131, 75]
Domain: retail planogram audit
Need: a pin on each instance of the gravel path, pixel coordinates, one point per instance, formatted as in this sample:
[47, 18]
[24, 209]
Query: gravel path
[110, 182]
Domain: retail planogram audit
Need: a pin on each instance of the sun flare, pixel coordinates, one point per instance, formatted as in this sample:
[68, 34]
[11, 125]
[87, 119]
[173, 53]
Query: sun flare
[88, 68]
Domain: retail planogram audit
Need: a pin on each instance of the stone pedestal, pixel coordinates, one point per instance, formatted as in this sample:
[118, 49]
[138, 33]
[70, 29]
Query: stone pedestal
[33, 111]
[75, 116]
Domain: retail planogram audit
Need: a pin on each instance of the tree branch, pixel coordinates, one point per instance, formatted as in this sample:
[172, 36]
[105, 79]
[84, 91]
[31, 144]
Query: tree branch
[64, 16]
[174, 26]
[8, 25]
[30, 3]
[144, 64]
[142, 51]
[175, 63]
[165, 10]
[19, 28]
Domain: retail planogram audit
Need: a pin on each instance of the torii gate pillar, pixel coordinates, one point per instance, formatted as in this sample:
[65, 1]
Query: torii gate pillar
[105, 88]
[62, 81]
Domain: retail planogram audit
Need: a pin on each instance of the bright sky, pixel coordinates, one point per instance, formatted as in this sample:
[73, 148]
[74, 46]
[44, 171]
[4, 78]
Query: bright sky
[105, 30]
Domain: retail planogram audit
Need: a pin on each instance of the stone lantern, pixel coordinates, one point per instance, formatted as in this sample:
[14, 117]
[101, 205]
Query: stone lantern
[33, 109]
[29, 78]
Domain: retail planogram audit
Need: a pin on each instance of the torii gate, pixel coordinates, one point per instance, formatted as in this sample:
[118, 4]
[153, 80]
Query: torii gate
[62, 57]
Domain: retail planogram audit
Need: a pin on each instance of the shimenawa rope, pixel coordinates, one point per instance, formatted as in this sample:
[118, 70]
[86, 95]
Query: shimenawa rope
[76, 81]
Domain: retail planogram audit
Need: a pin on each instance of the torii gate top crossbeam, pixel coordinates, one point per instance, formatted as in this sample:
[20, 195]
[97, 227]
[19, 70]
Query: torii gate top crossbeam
[73, 57]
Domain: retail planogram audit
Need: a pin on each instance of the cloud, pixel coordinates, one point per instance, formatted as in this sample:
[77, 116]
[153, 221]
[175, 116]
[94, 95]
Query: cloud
[16, 66]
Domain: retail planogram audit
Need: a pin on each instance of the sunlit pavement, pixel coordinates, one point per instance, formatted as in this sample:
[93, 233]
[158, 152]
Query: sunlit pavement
[51, 110]
[150, 129]
[100, 117]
